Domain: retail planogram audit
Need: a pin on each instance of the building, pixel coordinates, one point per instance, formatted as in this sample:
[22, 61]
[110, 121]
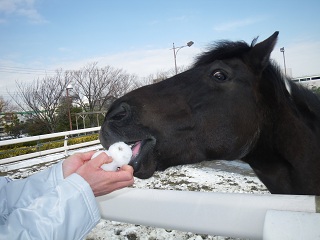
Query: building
[308, 81]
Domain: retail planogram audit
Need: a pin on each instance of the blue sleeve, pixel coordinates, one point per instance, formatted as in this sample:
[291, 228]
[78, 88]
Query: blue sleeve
[22, 192]
[67, 210]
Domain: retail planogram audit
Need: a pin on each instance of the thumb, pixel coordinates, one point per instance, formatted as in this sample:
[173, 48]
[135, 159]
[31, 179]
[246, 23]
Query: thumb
[101, 159]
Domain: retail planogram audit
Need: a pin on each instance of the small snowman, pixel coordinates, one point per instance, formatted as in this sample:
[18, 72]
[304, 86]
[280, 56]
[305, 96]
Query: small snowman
[121, 154]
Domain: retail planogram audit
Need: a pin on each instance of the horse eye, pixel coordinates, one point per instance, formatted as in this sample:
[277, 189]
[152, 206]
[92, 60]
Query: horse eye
[219, 76]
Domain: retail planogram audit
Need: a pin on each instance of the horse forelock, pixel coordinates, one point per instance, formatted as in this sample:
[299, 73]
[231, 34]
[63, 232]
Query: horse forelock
[222, 50]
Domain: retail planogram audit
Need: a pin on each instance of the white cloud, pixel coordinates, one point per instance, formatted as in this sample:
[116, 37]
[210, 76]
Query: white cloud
[24, 8]
[302, 58]
[235, 24]
[178, 19]
[63, 49]
[142, 63]
[153, 22]
[7, 6]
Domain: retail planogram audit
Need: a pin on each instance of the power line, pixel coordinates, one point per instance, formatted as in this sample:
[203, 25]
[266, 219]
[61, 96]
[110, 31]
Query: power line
[22, 70]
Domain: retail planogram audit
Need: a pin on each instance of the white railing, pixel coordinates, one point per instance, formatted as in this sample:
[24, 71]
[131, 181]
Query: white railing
[65, 148]
[250, 216]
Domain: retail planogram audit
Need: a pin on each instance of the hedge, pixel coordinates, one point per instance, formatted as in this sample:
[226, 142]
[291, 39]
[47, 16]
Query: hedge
[31, 147]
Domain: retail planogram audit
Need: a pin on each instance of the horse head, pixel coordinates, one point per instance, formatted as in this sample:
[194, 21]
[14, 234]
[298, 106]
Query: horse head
[218, 109]
[208, 112]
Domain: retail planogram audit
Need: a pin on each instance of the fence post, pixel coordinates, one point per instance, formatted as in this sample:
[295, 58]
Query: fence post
[65, 145]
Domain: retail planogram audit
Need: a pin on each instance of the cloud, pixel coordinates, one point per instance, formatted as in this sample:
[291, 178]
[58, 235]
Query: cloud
[23, 8]
[153, 22]
[235, 24]
[301, 58]
[178, 19]
[64, 49]
[140, 62]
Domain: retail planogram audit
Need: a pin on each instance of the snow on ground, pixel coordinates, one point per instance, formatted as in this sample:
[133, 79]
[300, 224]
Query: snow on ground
[213, 176]
[218, 176]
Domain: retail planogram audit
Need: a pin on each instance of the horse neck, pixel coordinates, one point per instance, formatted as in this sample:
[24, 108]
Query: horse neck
[287, 156]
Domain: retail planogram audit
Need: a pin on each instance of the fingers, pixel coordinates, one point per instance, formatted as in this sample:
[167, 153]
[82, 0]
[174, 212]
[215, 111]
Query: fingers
[124, 175]
[120, 185]
[101, 159]
[103, 182]
[127, 168]
[83, 156]
[116, 180]
[87, 155]
[73, 162]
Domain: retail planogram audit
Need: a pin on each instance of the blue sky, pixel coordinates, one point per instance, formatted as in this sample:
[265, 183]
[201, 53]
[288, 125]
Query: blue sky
[40, 36]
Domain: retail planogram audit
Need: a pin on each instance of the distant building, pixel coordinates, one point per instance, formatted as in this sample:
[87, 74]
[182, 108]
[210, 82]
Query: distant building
[308, 81]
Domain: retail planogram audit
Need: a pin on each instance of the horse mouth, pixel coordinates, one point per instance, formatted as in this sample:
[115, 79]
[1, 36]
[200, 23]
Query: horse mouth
[140, 151]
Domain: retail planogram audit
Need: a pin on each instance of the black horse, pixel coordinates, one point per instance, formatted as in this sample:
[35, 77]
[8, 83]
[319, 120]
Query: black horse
[234, 103]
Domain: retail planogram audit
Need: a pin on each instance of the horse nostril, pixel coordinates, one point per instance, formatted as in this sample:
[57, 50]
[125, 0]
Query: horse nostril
[121, 112]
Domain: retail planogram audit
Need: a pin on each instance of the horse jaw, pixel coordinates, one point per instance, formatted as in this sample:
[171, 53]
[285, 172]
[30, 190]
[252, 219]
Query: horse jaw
[245, 149]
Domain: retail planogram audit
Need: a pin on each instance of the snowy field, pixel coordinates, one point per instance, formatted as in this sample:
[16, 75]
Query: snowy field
[214, 176]
[218, 176]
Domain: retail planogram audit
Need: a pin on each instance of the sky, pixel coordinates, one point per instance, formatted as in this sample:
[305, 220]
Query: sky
[37, 37]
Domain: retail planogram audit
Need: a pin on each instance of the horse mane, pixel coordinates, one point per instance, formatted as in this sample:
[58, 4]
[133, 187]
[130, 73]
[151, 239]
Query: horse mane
[307, 103]
[222, 50]
[301, 100]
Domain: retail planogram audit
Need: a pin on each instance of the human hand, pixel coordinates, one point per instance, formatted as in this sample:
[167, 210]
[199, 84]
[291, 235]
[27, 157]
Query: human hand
[72, 163]
[104, 182]
[120, 153]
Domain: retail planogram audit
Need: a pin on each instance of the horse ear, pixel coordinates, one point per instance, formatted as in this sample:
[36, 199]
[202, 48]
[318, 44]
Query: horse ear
[260, 53]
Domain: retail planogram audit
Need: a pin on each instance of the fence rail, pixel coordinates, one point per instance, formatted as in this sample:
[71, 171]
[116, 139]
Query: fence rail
[65, 148]
[236, 215]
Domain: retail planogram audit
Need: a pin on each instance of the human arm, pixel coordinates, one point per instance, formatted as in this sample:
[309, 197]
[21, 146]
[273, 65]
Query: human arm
[68, 210]
[22, 192]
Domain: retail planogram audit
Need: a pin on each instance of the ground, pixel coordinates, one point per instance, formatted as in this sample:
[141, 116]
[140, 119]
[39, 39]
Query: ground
[218, 176]
[212, 176]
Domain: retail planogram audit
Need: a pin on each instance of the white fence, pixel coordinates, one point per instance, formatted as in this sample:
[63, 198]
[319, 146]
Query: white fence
[250, 216]
[246, 216]
[65, 148]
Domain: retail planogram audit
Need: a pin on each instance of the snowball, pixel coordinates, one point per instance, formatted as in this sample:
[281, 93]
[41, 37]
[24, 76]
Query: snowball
[121, 154]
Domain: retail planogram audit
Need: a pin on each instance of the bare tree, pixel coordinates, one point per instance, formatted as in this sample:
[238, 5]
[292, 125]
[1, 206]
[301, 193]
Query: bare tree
[95, 88]
[160, 76]
[42, 98]
[7, 106]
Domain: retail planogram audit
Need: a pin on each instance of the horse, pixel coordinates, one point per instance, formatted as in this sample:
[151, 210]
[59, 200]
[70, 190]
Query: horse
[233, 103]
